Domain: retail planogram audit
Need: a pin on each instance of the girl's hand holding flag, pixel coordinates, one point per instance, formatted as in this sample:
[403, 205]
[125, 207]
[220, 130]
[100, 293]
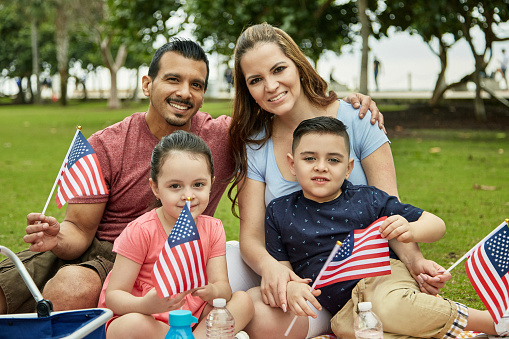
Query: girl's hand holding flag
[155, 304]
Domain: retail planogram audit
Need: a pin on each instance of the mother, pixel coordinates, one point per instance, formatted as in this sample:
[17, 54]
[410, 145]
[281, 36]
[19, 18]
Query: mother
[275, 89]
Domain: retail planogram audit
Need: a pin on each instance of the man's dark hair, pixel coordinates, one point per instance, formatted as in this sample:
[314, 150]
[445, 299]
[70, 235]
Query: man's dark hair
[185, 47]
[320, 125]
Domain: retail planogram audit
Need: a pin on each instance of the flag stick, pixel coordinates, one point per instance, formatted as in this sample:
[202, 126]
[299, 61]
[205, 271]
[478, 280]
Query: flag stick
[78, 128]
[477, 245]
[327, 262]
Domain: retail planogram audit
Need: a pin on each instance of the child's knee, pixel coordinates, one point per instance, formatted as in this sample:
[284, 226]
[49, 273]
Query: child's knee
[135, 325]
[243, 298]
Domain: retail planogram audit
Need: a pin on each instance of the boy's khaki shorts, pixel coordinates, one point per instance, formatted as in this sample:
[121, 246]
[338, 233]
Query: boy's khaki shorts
[42, 266]
[403, 308]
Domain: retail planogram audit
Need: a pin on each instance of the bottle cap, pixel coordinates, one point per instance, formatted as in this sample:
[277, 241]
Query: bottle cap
[181, 318]
[365, 306]
[219, 302]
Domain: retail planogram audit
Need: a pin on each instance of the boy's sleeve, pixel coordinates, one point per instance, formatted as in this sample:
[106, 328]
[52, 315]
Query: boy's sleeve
[273, 237]
[390, 205]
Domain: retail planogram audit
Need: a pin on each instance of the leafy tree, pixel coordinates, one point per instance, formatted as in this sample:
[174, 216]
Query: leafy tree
[315, 26]
[16, 53]
[85, 53]
[140, 54]
[124, 31]
[434, 21]
[36, 12]
[443, 23]
[485, 16]
[365, 33]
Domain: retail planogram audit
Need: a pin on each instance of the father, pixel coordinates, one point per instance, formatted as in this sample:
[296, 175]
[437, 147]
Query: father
[70, 260]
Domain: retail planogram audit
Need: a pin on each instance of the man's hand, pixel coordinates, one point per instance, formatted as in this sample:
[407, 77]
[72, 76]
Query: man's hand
[42, 232]
[364, 102]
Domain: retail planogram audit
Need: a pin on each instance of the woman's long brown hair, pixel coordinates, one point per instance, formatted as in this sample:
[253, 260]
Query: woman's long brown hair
[248, 118]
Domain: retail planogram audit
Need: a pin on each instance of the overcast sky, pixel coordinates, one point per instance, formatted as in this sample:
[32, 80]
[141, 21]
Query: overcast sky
[401, 55]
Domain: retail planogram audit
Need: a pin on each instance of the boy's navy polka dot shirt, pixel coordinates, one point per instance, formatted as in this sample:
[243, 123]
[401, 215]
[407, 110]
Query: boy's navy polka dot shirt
[304, 232]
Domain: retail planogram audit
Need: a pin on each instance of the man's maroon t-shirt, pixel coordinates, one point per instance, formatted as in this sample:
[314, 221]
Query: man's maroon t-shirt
[124, 151]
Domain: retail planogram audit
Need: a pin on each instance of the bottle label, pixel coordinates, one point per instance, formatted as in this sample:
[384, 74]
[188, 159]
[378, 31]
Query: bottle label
[369, 334]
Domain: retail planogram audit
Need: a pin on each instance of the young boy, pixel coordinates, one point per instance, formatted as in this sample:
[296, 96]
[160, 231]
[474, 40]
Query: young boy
[303, 227]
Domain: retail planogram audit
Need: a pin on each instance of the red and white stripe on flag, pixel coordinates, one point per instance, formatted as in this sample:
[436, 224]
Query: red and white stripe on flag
[180, 266]
[364, 253]
[81, 174]
[487, 268]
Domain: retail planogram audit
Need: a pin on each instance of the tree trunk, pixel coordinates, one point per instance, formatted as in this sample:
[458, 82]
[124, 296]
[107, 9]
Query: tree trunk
[440, 84]
[85, 94]
[136, 98]
[479, 109]
[35, 61]
[62, 41]
[113, 101]
[114, 66]
[365, 32]
[29, 89]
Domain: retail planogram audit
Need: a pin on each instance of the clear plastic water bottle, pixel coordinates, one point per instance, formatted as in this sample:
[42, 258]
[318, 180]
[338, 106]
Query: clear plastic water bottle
[367, 325]
[220, 322]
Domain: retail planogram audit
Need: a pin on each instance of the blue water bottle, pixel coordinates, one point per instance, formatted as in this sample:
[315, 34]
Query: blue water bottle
[180, 325]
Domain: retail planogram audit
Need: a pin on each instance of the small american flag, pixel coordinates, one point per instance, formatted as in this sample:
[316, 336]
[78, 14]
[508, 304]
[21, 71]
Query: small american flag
[180, 266]
[364, 253]
[81, 174]
[487, 269]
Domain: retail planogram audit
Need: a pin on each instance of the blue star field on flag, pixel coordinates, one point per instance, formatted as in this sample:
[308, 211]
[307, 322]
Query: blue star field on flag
[497, 250]
[80, 149]
[346, 248]
[184, 229]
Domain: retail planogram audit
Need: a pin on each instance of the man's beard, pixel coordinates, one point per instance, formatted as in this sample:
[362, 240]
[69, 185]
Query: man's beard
[178, 120]
[175, 122]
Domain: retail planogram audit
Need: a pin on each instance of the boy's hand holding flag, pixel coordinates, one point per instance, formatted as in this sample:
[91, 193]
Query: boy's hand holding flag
[363, 253]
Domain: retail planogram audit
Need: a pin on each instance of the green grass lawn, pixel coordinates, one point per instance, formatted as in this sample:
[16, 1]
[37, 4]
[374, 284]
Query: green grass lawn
[437, 170]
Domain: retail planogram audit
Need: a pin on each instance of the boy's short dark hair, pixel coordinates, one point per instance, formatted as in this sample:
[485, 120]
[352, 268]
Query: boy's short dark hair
[320, 125]
[185, 47]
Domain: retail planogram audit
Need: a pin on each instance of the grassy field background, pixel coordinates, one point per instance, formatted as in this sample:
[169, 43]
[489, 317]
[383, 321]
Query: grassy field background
[460, 175]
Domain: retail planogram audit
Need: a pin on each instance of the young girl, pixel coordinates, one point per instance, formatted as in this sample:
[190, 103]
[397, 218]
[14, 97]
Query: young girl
[181, 167]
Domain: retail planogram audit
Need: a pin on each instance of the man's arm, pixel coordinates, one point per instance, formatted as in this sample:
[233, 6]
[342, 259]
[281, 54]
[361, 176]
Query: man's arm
[69, 239]
[364, 102]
